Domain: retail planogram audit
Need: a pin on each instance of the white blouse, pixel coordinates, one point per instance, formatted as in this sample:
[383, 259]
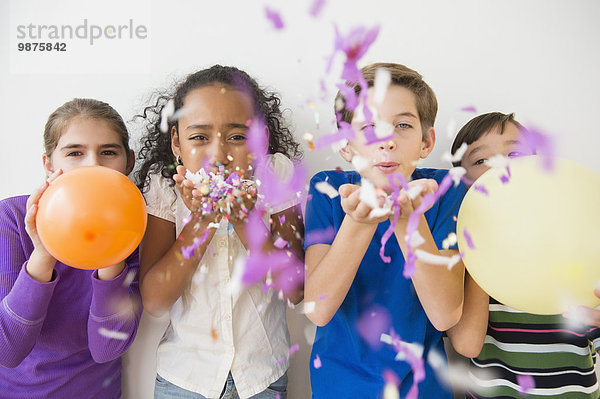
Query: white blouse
[219, 330]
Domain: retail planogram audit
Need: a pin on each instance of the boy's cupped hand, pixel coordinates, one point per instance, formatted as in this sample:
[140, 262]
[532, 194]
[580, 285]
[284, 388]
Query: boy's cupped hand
[411, 200]
[358, 210]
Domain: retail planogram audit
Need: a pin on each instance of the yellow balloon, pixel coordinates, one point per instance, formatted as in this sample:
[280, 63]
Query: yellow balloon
[536, 238]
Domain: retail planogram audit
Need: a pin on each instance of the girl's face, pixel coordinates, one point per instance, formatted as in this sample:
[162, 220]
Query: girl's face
[490, 144]
[87, 142]
[212, 130]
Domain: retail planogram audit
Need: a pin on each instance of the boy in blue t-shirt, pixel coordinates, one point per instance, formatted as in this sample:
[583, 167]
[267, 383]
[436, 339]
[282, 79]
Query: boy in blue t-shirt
[358, 297]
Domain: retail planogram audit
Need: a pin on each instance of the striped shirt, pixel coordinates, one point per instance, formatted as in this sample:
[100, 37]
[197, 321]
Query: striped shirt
[558, 355]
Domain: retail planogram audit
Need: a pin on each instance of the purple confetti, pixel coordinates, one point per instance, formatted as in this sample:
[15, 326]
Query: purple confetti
[468, 239]
[188, 252]
[469, 108]
[372, 323]
[280, 243]
[274, 17]
[320, 236]
[481, 188]
[316, 7]
[345, 131]
[526, 383]
[294, 348]
[534, 141]
[317, 362]
[417, 364]
[281, 219]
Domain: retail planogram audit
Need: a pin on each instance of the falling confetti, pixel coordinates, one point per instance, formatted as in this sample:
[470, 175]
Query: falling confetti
[526, 383]
[316, 7]
[327, 189]
[468, 239]
[274, 17]
[317, 362]
[113, 334]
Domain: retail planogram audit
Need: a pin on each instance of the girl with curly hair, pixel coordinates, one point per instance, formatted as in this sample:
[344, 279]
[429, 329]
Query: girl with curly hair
[221, 342]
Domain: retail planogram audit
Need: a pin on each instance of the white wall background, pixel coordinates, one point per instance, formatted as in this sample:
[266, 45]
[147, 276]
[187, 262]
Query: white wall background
[538, 58]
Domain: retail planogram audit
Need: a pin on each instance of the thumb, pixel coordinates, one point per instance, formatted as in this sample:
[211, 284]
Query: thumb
[346, 190]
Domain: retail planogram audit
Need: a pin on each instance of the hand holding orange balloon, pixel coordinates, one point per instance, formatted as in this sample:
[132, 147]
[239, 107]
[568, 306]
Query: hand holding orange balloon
[91, 217]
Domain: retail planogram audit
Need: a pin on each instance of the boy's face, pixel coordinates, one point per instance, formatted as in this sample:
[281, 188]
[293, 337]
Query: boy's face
[402, 152]
[490, 144]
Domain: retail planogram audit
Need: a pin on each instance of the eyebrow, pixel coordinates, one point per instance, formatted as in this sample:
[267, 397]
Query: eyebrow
[407, 114]
[76, 146]
[475, 150]
[233, 125]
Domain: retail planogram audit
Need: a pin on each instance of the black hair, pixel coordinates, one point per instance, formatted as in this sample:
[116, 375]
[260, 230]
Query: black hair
[481, 125]
[156, 146]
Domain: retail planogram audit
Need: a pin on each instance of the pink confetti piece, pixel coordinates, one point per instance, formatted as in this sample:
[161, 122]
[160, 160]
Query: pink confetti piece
[294, 348]
[274, 17]
[320, 298]
[469, 108]
[407, 352]
[372, 323]
[481, 188]
[534, 141]
[526, 383]
[281, 219]
[317, 362]
[280, 243]
[316, 7]
[468, 239]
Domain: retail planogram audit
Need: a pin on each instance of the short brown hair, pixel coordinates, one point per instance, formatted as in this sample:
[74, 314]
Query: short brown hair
[83, 108]
[403, 76]
[481, 125]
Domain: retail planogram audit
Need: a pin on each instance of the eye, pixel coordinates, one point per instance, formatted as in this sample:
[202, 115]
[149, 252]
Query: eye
[108, 152]
[199, 137]
[237, 137]
[74, 154]
[479, 162]
[403, 126]
[369, 126]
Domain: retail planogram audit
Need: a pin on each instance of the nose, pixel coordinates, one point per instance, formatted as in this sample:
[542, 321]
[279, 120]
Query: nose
[390, 145]
[219, 153]
[91, 159]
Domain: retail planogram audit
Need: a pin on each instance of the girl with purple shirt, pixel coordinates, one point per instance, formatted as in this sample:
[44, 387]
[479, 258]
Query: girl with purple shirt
[63, 330]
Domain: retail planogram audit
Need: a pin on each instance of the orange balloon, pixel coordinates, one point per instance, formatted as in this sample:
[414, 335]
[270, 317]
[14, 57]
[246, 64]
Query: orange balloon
[91, 217]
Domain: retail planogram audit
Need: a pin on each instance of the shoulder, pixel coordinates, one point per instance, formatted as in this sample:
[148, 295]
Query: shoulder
[159, 187]
[13, 207]
[336, 177]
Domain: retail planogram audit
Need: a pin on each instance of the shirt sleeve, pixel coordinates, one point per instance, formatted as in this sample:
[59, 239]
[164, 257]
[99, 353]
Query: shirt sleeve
[24, 300]
[319, 215]
[160, 198]
[115, 312]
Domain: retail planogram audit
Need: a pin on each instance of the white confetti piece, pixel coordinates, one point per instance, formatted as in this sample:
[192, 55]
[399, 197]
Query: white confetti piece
[326, 188]
[382, 81]
[497, 161]
[383, 129]
[414, 191]
[368, 195]
[416, 349]
[449, 241]
[457, 156]
[457, 173]
[113, 334]
[415, 240]
[308, 136]
[360, 163]
[432, 259]
[308, 307]
[338, 145]
[213, 225]
[451, 128]
[166, 113]
[390, 391]
[129, 278]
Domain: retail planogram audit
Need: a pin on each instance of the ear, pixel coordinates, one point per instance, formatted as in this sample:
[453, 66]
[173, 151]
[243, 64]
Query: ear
[175, 147]
[48, 167]
[130, 162]
[427, 143]
[347, 152]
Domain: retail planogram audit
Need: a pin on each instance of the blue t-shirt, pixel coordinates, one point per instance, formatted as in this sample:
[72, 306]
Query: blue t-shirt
[351, 368]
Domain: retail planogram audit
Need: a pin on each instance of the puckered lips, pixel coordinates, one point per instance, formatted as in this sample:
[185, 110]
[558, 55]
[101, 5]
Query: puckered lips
[387, 167]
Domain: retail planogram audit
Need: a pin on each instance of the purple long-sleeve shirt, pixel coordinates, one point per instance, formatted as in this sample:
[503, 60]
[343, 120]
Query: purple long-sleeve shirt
[64, 338]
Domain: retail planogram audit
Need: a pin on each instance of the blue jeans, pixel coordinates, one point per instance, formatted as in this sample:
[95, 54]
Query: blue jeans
[163, 389]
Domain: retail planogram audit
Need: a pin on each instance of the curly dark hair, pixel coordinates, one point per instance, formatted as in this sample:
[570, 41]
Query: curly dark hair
[156, 146]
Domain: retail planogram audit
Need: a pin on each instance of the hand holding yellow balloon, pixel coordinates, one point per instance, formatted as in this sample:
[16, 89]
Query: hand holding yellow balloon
[533, 242]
